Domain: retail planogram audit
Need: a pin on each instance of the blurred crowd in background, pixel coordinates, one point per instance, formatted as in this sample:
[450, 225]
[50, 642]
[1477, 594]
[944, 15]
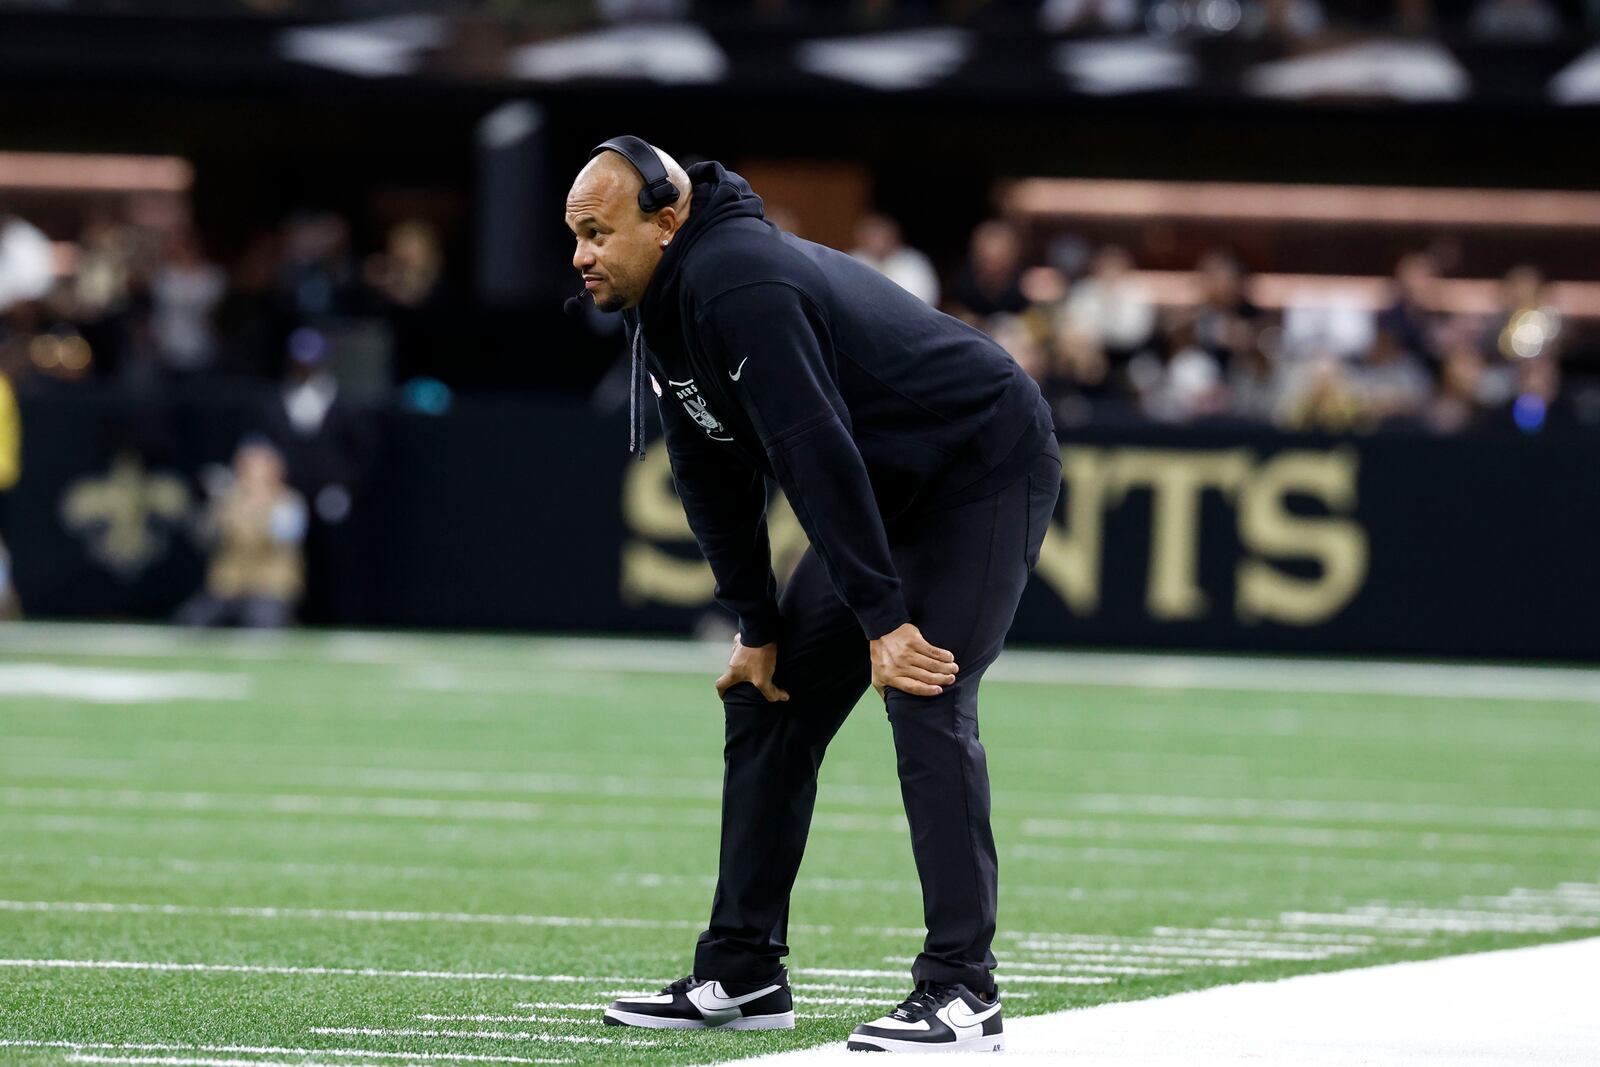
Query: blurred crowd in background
[1103, 349]
[141, 302]
[138, 307]
[1490, 19]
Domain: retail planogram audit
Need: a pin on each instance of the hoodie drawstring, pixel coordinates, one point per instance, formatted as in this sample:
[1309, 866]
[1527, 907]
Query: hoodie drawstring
[636, 378]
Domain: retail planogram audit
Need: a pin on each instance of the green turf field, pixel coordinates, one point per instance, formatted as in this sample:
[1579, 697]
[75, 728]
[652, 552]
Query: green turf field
[354, 849]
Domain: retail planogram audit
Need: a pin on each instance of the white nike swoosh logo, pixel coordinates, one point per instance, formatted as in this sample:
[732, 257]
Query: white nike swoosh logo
[966, 1018]
[734, 374]
[714, 998]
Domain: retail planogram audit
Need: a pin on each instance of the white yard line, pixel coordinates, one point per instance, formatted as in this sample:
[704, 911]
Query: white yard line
[530, 1018]
[480, 1035]
[1373, 811]
[1527, 1007]
[1123, 670]
[900, 975]
[1509, 839]
[269, 1050]
[196, 1061]
[335, 972]
[343, 914]
[104, 685]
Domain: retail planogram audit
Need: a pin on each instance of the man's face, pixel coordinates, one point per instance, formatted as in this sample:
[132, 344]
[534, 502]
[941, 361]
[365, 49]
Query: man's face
[618, 245]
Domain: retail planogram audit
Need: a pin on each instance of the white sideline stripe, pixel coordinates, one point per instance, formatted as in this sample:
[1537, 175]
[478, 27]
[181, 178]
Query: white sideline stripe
[336, 972]
[1238, 943]
[104, 685]
[557, 1005]
[909, 886]
[1446, 922]
[1180, 962]
[530, 1018]
[536, 783]
[1352, 811]
[1294, 836]
[342, 914]
[1143, 856]
[1512, 1008]
[883, 993]
[271, 1050]
[1129, 950]
[1203, 933]
[1082, 968]
[195, 1061]
[1510, 840]
[1049, 979]
[1008, 965]
[1123, 670]
[481, 1035]
[1157, 952]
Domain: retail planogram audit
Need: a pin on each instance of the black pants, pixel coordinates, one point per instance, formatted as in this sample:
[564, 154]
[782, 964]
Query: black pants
[962, 569]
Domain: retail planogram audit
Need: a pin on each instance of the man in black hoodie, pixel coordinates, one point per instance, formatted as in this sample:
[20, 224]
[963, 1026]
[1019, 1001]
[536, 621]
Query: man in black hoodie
[921, 463]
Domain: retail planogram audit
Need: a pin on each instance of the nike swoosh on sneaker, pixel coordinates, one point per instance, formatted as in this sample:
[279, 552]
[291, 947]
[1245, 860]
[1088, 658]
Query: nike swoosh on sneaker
[959, 1015]
[712, 997]
[734, 374]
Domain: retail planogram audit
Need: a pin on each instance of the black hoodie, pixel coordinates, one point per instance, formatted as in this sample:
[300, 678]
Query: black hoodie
[772, 355]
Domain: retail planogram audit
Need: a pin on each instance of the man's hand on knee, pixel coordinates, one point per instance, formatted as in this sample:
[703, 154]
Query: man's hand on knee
[903, 659]
[754, 665]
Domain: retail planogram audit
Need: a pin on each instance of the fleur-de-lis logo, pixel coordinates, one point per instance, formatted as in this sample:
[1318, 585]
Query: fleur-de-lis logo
[127, 515]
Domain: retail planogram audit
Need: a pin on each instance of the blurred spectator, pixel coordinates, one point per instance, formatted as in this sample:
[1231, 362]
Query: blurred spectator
[1528, 325]
[185, 291]
[1390, 383]
[1516, 20]
[1225, 322]
[1320, 398]
[327, 447]
[10, 472]
[100, 296]
[255, 524]
[991, 280]
[407, 272]
[1012, 333]
[103, 271]
[880, 246]
[1459, 406]
[1189, 386]
[317, 275]
[1410, 319]
[27, 262]
[1106, 317]
[1538, 404]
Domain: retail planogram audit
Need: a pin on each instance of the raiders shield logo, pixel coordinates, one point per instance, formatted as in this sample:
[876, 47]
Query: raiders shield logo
[698, 410]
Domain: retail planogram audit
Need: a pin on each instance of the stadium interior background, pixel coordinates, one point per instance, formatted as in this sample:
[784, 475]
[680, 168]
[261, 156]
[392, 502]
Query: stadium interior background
[1312, 286]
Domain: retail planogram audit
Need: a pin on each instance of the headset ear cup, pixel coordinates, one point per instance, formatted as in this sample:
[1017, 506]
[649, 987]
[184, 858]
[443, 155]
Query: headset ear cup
[658, 191]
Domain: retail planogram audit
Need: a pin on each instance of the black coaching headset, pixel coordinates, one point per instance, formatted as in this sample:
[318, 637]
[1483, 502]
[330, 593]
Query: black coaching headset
[658, 191]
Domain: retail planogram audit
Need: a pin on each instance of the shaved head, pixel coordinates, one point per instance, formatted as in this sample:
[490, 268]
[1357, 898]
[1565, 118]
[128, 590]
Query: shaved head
[619, 245]
[609, 167]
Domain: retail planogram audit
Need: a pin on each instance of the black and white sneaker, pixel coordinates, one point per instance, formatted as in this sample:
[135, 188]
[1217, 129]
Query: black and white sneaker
[700, 1004]
[935, 1018]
